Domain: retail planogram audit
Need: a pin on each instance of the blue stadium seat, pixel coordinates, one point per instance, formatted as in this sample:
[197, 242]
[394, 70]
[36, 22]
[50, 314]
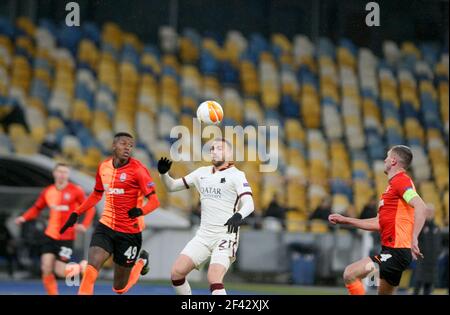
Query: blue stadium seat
[91, 31]
[69, 37]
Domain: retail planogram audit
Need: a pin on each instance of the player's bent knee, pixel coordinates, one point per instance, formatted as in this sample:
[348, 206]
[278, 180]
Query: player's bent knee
[46, 269]
[349, 274]
[97, 257]
[178, 272]
[181, 268]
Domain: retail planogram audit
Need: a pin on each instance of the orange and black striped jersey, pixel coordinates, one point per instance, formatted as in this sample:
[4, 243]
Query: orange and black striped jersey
[61, 204]
[396, 216]
[125, 188]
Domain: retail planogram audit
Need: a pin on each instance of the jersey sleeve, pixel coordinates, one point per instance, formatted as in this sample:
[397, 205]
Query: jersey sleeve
[37, 207]
[145, 181]
[242, 185]
[191, 178]
[98, 182]
[90, 213]
[405, 188]
[80, 196]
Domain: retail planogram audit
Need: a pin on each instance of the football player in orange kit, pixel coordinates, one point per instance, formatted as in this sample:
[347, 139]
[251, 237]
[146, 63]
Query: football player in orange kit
[126, 182]
[401, 216]
[62, 198]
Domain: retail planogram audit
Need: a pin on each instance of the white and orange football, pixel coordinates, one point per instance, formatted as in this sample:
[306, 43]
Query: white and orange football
[210, 113]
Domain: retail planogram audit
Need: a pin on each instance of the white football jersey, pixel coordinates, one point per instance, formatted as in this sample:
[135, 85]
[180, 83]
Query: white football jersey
[219, 195]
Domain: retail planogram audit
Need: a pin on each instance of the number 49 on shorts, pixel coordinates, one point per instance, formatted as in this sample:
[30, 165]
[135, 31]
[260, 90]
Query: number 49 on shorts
[131, 252]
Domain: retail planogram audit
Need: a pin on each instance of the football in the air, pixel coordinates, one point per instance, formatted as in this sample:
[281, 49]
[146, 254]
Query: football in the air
[210, 113]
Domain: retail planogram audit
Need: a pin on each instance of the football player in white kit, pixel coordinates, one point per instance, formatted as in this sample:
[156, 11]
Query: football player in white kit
[226, 199]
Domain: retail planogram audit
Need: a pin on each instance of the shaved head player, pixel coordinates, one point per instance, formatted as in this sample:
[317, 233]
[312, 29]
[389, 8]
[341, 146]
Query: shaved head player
[401, 216]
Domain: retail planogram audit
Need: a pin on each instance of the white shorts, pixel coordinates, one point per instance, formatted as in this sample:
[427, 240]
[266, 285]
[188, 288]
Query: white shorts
[221, 248]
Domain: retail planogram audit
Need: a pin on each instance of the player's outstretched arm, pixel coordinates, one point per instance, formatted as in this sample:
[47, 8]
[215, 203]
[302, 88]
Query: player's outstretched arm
[371, 224]
[170, 183]
[89, 203]
[88, 217]
[34, 211]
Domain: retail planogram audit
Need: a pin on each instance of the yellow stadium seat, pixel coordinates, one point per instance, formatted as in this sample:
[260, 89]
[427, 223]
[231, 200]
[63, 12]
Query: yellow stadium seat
[314, 202]
[296, 221]
[413, 129]
[188, 52]
[294, 130]
[318, 226]
[26, 25]
[441, 176]
[54, 123]
[26, 146]
[409, 48]
[310, 110]
[405, 279]
[296, 195]
[441, 69]
[426, 86]
[362, 193]
[38, 104]
[17, 131]
[38, 133]
[340, 203]
[81, 112]
[92, 157]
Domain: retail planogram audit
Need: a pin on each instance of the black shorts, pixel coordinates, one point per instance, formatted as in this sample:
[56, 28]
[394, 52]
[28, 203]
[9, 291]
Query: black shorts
[124, 247]
[392, 262]
[63, 250]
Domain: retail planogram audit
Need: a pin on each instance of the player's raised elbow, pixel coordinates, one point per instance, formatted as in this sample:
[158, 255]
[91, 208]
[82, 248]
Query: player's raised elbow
[97, 194]
[375, 224]
[152, 204]
[376, 227]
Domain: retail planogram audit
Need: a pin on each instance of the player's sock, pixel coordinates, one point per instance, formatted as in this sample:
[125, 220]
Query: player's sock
[50, 284]
[182, 287]
[87, 284]
[135, 272]
[217, 289]
[83, 265]
[355, 288]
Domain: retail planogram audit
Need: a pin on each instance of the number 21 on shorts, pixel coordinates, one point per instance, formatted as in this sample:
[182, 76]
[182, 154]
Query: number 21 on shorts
[226, 244]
